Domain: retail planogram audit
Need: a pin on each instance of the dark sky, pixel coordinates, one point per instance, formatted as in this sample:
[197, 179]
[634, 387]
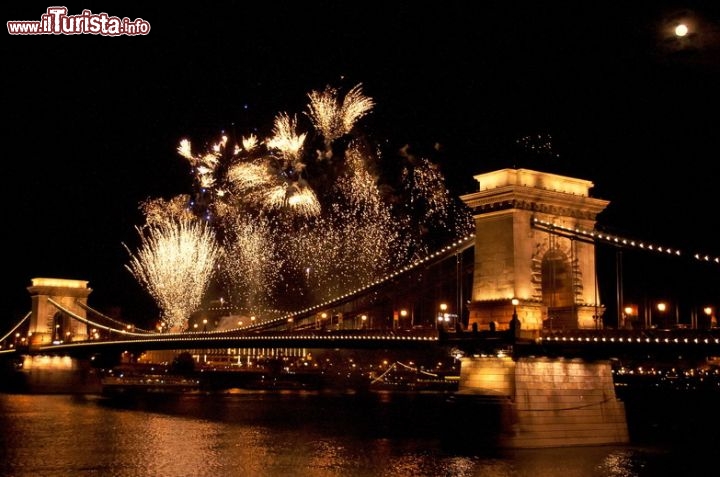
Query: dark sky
[92, 122]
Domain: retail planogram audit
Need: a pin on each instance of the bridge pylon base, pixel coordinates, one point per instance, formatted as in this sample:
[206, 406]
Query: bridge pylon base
[547, 402]
[56, 375]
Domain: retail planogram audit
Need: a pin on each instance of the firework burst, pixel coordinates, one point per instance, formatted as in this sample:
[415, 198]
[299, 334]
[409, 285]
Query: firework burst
[175, 263]
[334, 117]
[301, 216]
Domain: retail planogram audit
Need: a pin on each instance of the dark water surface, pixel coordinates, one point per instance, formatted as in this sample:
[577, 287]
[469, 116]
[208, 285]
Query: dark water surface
[317, 434]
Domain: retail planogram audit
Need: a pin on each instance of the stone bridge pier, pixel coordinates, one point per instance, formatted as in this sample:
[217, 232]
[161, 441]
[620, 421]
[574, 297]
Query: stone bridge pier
[546, 402]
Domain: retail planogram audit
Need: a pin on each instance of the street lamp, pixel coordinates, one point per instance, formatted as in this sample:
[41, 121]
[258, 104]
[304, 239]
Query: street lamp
[661, 307]
[515, 322]
[708, 313]
[628, 315]
[323, 317]
[442, 316]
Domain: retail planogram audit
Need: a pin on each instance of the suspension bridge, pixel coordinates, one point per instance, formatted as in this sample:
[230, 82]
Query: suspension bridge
[518, 301]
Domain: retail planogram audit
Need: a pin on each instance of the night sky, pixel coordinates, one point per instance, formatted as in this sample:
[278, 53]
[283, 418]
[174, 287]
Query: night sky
[92, 122]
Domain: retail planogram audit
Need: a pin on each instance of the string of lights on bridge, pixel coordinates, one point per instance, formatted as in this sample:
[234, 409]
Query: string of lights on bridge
[205, 339]
[632, 339]
[625, 242]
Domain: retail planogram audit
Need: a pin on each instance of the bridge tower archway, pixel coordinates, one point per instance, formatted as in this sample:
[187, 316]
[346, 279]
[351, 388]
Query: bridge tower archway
[47, 322]
[548, 279]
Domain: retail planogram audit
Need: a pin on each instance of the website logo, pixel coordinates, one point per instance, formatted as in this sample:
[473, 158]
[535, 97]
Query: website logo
[56, 21]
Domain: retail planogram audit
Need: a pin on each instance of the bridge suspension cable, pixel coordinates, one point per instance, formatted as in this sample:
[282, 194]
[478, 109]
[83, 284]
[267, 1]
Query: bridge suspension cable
[595, 236]
[19, 323]
[93, 323]
[113, 320]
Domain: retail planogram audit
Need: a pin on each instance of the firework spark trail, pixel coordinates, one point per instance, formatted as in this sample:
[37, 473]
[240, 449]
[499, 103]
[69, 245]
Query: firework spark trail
[333, 118]
[286, 141]
[249, 263]
[204, 166]
[175, 263]
[158, 211]
[247, 177]
[355, 239]
[425, 184]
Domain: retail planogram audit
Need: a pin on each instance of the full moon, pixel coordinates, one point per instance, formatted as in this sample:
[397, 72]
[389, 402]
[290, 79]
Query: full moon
[681, 30]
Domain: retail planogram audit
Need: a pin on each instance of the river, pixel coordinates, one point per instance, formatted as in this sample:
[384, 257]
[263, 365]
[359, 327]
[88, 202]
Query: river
[320, 434]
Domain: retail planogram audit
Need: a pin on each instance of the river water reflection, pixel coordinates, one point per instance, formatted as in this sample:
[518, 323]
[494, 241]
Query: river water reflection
[296, 434]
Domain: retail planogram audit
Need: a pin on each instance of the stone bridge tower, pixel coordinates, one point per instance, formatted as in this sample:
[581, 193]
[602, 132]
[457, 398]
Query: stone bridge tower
[47, 322]
[546, 278]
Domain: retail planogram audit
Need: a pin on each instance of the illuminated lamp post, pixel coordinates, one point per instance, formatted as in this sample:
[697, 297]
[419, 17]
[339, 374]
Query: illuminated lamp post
[661, 307]
[708, 313]
[628, 315]
[323, 317]
[204, 324]
[363, 319]
[442, 316]
[515, 321]
[403, 316]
